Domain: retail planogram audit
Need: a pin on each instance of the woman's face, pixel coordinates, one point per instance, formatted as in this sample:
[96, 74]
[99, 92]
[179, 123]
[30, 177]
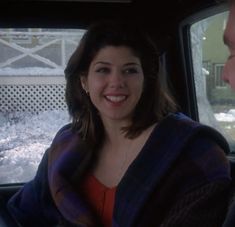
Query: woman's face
[229, 39]
[114, 82]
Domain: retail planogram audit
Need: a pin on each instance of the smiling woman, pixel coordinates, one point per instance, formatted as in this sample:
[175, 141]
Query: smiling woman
[115, 83]
[128, 155]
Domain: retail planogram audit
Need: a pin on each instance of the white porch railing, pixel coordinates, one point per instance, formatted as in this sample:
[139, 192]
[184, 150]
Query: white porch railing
[38, 45]
[31, 68]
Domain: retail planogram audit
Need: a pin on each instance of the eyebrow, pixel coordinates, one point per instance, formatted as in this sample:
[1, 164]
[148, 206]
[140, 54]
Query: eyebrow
[102, 62]
[127, 64]
[132, 63]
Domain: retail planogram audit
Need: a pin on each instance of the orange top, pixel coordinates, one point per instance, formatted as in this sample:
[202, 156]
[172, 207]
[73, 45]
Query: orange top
[101, 198]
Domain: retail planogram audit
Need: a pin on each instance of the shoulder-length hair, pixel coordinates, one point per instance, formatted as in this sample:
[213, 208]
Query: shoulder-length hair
[155, 102]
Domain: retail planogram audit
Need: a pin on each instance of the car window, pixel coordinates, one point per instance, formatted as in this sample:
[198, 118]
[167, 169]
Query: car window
[32, 102]
[215, 99]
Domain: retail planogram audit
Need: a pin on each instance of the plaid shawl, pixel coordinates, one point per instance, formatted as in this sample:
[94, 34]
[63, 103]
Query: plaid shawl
[180, 178]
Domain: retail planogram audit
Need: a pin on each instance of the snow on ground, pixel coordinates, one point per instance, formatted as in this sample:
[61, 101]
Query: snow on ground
[25, 137]
[226, 117]
[23, 140]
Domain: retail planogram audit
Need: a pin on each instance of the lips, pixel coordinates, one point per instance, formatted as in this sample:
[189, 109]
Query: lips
[116, 98]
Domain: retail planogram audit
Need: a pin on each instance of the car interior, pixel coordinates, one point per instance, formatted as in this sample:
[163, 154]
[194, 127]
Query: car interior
[38, 36]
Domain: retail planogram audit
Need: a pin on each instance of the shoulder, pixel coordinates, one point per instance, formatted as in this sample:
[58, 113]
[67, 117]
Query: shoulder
[66, 135]
[205, 148]
[187, 129]
[63, 132]
[194, 145]
[67, 147]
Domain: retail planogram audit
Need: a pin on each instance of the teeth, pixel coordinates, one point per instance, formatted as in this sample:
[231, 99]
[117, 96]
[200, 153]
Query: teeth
[116, 98]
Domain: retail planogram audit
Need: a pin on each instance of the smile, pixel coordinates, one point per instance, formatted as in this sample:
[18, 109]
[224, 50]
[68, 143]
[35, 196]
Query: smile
[116, 98]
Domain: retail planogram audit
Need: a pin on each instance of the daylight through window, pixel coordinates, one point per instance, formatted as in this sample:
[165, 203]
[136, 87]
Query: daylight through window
[32, 105]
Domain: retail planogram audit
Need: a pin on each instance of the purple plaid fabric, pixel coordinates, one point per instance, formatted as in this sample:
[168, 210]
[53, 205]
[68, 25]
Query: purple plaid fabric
[180, 178]
[66, 197]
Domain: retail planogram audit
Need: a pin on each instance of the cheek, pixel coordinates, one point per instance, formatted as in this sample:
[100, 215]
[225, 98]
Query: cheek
[138, 88]
[94, 85]
[232, 83]
[95, 88]
[229, 73]
[230, 67]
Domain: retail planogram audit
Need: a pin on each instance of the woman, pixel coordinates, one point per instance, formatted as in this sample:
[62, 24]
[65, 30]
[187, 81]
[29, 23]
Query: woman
[127, 159]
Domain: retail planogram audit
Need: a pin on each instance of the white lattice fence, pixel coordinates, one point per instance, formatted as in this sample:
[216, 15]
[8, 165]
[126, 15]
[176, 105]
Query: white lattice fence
[32, 95]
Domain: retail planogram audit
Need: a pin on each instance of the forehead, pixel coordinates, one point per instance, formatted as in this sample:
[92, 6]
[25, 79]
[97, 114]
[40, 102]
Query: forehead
[229, 33]
[109, 51]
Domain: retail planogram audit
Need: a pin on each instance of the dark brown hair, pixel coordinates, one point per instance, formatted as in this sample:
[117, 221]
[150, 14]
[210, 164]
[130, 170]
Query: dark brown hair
[225, 1]
[155, 102]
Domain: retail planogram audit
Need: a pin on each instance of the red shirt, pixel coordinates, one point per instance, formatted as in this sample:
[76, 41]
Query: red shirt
[101, 198]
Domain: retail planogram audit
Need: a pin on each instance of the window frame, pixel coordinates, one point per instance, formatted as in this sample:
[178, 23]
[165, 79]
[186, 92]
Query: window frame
[187, 58]
[186, 53]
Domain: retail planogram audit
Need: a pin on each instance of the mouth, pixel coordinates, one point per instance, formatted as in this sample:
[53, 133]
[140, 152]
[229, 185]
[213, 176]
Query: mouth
[116, 98]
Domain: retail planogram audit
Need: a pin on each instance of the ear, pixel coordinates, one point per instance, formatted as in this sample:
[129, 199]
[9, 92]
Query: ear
[83, 80]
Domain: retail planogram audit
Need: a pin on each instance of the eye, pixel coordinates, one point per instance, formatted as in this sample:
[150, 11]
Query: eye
[132, 70]
[102, 70]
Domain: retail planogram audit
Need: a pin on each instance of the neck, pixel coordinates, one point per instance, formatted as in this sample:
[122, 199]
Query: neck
[114, 131]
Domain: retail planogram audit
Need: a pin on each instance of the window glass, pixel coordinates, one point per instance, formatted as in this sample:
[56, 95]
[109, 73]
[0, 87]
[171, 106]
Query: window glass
[32, 103]
[216, 100]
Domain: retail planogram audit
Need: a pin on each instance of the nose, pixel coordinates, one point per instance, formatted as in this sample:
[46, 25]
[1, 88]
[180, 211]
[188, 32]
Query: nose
[116, 80]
